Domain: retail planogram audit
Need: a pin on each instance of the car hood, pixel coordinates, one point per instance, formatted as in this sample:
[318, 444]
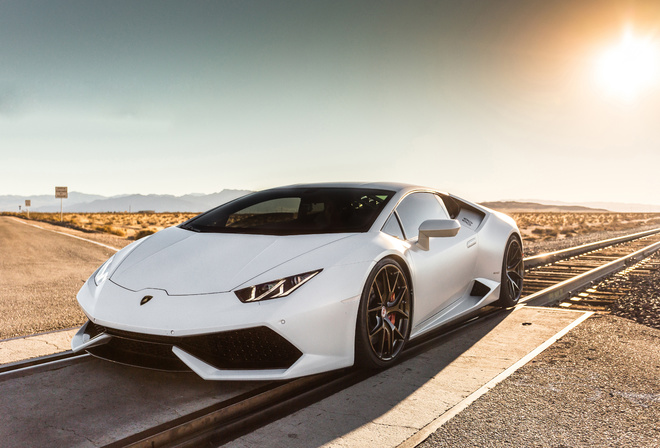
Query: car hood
[182, 262]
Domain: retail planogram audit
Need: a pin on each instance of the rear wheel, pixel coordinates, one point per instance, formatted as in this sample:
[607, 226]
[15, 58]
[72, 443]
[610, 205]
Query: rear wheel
[384, 317]
[512, 273]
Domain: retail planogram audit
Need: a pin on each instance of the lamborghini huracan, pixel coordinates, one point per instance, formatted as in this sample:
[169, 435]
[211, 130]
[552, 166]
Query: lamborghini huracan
[301, 279]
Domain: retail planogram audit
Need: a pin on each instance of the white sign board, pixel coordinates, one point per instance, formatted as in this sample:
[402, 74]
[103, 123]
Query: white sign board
[28, 202]
[61, 192]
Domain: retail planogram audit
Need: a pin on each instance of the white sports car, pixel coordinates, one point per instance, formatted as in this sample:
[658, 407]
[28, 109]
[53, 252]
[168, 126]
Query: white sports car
[298, 280]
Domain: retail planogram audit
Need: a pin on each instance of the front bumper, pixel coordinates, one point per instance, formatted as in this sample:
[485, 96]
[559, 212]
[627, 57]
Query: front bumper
[257, 348]
[220, 338]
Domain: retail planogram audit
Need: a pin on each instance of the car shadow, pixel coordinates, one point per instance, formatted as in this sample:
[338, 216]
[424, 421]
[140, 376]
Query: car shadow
[103, 402]
[371, 401]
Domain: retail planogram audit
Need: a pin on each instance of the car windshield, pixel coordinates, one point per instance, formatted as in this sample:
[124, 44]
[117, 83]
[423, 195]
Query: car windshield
[295, 211]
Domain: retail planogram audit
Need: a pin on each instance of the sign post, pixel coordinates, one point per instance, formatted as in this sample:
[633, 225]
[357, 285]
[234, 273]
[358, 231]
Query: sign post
[27, 207]
[62, 193]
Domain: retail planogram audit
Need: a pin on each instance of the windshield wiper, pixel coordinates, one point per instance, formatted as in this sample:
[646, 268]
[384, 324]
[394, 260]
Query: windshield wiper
[190, 227]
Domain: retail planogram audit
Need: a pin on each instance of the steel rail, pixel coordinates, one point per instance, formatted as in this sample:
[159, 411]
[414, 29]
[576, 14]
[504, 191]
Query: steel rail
[551, 257]
[24, 367]
[566, 288]
[225, 421]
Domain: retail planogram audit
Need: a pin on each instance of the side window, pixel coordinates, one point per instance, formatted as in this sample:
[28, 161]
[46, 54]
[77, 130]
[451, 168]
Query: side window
[417, 208]
[452, 206]
[393, 228]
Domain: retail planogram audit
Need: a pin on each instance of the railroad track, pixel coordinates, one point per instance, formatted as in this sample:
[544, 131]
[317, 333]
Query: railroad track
[550, 278]
[29, 365]
[554, 277]
[601, 297]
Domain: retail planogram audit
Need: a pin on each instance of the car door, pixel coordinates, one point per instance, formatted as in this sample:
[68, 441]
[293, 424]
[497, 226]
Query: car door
[441, 274]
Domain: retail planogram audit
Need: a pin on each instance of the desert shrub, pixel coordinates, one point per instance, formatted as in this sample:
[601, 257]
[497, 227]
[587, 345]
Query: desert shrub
[75, 220]
[143, 233]
[111, 230]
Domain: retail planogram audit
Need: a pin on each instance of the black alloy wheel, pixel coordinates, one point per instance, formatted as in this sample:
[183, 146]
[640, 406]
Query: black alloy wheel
[384, 317]
[512, 273]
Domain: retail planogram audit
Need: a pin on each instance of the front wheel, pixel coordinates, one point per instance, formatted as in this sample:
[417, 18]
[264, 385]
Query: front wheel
[384, 317]
[512, 273]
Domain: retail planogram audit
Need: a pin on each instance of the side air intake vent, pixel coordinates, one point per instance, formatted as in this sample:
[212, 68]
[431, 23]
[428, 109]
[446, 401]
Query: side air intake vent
[479, 289]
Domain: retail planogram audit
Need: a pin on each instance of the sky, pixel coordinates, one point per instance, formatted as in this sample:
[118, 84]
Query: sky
[486, 100]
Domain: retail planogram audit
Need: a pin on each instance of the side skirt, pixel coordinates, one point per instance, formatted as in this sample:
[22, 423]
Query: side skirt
[481, 293]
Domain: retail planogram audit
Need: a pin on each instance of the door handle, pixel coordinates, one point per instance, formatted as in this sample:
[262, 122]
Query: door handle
[472, 242]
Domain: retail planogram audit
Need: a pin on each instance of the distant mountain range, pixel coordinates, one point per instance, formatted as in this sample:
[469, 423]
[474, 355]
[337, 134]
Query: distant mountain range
[197, 202]
[620, 207]
[514, 206]
[89, 203]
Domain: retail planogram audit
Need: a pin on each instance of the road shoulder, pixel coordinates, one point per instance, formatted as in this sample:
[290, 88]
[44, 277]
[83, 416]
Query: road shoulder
[23, 348]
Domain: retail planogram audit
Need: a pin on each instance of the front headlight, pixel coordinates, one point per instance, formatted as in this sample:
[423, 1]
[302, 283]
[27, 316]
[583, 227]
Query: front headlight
[275, 289]
[104, 271]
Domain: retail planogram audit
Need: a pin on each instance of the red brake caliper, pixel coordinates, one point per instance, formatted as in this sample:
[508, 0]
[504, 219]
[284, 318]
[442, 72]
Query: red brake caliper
[391, 316]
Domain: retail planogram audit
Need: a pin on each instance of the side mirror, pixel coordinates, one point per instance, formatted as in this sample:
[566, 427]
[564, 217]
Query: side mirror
[436, 228]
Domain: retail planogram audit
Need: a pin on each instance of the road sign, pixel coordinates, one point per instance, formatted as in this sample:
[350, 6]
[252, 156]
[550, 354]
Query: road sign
[27, 203]
[61, 192]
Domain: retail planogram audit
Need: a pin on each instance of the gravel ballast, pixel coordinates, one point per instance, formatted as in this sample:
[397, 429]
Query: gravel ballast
[598, 386]
[641, 302]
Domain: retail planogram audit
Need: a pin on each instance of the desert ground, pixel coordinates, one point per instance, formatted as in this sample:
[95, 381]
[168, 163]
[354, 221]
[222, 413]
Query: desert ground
[132, 226]
[541, 226]
[539, 229]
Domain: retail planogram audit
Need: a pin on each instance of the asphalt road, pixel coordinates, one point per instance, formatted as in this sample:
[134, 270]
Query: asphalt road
[40, 275]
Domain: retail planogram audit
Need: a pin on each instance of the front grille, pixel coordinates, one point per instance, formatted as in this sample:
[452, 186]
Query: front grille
[140, 353]
[93, 330]
[251, 348]
[247, 349]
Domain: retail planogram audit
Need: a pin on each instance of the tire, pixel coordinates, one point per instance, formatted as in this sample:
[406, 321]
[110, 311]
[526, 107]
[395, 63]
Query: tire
[384, 316]
[512, 273]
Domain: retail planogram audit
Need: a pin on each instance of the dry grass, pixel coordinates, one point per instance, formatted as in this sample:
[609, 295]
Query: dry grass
[126, 225]
[535, 226]
[539, 226]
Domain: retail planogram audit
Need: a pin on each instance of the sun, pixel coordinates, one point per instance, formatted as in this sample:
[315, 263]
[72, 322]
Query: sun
[630, 67]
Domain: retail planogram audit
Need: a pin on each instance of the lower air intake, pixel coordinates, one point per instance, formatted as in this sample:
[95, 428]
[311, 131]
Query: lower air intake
[248, 349]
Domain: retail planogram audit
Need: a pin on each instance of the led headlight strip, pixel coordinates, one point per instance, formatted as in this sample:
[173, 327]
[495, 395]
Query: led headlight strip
[275, 289]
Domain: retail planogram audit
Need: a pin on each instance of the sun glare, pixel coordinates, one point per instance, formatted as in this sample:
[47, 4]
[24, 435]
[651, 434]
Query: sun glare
[630, 67]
